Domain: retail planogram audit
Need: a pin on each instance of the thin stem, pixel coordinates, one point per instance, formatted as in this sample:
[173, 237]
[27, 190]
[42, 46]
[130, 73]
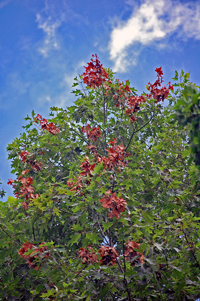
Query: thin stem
[103, 147]
[124, 280]
[33, 232]
[88, 143]
[108, 233]
[101, 230]
[104, 106]
[124, 260]
[166, 259]
[109, 236]
[112, 295]
[122, 111]
[5, 231]
[8, 234]
[104, 113]
[134, 132]
[113, 182]
[79, 135]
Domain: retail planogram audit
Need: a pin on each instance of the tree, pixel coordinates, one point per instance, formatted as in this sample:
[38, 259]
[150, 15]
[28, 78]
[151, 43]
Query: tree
[106, 200]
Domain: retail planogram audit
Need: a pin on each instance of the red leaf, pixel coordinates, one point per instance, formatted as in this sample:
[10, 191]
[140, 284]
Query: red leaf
[116, 204]
[38, 253]
[156, 92]
[94, 75]
[88, 256]
[50, 127]
[108, 255]
[130, 252]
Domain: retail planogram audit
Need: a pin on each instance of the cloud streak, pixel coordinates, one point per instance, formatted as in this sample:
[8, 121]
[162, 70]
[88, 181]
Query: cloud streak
[152, 22]
[53, 16]
[63, 83]
[49, 27]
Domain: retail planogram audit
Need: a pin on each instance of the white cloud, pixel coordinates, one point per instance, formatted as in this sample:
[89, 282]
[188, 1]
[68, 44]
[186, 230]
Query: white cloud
[49, 27]
[152, 21]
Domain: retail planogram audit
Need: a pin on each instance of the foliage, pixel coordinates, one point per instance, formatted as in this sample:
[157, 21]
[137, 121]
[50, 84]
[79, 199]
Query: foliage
[107, 198]
[187, 112]
[2, 192]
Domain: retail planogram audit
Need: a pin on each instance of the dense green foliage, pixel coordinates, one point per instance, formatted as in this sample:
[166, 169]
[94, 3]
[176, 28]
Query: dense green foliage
[78, 190]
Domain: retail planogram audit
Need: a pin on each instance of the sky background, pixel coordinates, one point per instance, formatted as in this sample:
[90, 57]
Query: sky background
[44, 44]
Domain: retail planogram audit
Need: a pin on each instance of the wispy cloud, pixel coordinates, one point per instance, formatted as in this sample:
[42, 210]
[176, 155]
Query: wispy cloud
[49, 27]
[151, 22]
[63, 96]
[66, 84]
[49, 19]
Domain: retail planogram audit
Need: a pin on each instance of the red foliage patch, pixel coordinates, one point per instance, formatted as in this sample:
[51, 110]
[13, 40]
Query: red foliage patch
[38, 253]
[87, 167]
[117, 155]
[88, 255]
[28, 158]
[133, 103]
[45, 125]
[108, 255]
[25, 191]
[94, 75]
[156, 91]
[130, 252]
[92, 134]
[116, 204]
[10, 182]
[92, 149]
[24, 155]
[75, 187]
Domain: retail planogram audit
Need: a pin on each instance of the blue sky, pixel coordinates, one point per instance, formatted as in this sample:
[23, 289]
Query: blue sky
[44, 44]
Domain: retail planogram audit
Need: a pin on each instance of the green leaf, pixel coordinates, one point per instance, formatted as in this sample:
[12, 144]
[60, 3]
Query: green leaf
[75, 238]
[147, 217]
[93, 237]
[107, 225]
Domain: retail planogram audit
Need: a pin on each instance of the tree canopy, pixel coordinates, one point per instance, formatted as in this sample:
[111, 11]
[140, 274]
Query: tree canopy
[106, 202]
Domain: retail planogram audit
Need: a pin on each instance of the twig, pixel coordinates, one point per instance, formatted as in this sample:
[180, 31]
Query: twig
[88, 143]
[33, 232]
[113, 297]
[5, 231]
[104, 113]
[124, 260]
[100, 228]
[125, 281]
[8, 234]
[134, 132]
[79, 135]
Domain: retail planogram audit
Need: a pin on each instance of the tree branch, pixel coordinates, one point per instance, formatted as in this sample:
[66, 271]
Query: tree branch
[33, 232]
[104, 113]
[124, 280]
[101, 230]
[8, 234]
[134, 132]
